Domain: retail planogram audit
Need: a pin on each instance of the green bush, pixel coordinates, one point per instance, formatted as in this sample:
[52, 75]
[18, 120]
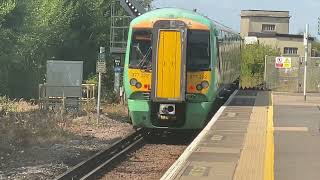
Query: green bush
[252, 66]
[6, 105]
[92, 79]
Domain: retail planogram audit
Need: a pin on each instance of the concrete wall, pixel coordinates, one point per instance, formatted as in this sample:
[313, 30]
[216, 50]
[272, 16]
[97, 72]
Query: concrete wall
[252, 21]
[244, 26]
[254, 24]
[281, 24]
[281, 42]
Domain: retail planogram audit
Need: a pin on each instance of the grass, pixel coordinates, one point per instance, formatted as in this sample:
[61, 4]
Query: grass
[22, 124]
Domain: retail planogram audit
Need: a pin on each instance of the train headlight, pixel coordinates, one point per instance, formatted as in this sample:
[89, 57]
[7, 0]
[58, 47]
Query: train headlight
[138, 85]
[133, 81]
[205, 84]
[199, 87]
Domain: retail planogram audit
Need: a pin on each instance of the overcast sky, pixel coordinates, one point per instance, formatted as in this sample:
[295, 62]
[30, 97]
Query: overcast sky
[228, 11]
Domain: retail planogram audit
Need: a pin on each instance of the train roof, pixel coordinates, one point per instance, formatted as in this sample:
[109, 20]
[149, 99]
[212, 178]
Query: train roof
[181, 13]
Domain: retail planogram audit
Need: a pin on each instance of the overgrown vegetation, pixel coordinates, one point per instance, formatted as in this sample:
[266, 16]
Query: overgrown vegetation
[34, 31]
[6, 106]
[315, 52]
[252, 66]
[23, 124]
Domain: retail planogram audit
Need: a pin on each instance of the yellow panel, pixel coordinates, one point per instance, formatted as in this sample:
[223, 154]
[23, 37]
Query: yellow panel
[143, 77]
[195, 78]
[169, 65]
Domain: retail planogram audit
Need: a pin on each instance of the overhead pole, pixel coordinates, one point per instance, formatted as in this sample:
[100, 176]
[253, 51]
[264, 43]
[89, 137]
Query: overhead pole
[119, 32]
[120, 23]
[318, 25]
[305, 42]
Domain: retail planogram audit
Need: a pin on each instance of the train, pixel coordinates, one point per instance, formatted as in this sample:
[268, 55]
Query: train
[178, 64]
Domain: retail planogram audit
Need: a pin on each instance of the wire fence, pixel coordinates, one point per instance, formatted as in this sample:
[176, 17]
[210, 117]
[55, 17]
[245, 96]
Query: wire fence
[291, 79]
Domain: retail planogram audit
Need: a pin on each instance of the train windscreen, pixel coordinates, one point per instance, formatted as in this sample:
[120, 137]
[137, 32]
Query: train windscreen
[141, 50]
[198, 50]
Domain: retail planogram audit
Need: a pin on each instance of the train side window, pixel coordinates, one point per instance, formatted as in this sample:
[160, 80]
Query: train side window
[141, 49]
[198, 50]
[219, 54]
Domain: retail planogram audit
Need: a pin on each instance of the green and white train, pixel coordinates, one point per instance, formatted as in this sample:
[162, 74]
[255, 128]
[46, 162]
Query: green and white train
[178, 64]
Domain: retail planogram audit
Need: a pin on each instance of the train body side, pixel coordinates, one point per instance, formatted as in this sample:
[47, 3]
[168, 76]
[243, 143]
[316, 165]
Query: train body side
[168, 64]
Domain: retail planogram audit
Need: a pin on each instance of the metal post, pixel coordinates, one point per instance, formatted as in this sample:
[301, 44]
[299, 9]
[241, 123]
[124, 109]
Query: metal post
[306, 61]
[265, 72]
[101, 58]
[99, 94]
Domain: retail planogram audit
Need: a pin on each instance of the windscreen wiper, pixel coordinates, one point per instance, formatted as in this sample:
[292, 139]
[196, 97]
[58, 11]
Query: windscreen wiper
[143, 61]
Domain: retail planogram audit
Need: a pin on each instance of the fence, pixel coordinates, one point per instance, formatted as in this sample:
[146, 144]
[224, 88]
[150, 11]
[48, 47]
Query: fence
[52, 97]
[291, 79]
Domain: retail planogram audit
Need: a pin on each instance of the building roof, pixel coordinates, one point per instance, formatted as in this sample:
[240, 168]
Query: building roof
[265, 13]
[273, 34]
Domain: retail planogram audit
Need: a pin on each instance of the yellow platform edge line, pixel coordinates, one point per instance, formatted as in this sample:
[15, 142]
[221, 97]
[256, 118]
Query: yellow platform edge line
[269, 156]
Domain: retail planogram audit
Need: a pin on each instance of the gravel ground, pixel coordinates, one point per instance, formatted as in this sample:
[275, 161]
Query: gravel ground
[29, 152]
[150, 161]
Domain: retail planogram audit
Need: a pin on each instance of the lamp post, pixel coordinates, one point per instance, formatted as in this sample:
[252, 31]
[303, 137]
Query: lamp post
[305, 42]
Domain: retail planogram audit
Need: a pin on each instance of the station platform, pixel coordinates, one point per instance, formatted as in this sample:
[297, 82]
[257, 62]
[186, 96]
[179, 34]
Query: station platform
[256, 135]
[297, 136]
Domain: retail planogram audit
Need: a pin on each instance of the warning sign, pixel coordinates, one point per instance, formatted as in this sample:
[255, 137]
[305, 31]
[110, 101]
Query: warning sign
[101, 67]
[283, 63]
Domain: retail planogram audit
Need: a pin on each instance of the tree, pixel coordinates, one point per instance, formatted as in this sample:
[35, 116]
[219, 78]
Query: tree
[34, 31]
[7, 40]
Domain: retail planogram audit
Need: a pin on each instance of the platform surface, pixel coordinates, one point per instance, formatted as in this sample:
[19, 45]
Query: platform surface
[256, 135]
[297, 137]
[232, 146]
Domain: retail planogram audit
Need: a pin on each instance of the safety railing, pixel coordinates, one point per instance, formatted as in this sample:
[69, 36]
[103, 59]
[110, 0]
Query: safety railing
[65, 97]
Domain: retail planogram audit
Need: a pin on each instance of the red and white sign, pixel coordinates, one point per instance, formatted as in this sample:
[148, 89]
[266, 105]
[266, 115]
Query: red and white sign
[283, 63]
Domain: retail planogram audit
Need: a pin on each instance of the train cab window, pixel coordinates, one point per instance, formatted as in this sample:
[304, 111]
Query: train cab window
[141, 50]
[198, 50]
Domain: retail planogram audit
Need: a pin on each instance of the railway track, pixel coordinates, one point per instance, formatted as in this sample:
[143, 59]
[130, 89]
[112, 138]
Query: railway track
[97, 164]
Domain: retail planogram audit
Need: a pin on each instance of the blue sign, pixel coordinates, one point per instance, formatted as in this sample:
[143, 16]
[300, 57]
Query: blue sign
[118, 69]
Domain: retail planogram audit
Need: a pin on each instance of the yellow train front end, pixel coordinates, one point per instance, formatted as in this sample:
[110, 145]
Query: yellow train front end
[170, 70]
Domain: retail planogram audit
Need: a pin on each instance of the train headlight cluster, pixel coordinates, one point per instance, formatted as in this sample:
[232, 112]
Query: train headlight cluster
[202, 85]
[134, 82]
[205, 84]
[138, 85]
[199, 87]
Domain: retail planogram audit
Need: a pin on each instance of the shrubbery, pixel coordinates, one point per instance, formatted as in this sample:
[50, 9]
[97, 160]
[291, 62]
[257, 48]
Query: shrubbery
[32, 32]
[252, 66]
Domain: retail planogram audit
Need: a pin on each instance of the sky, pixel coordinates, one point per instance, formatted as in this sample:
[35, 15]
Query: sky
[227, 12]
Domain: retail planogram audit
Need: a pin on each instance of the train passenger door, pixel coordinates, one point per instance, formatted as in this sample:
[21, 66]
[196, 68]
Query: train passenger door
[169, 61]
[168, 84]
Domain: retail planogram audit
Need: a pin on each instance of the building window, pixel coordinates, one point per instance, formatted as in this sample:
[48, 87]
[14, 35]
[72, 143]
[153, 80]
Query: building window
[268, 27]
[290, 50]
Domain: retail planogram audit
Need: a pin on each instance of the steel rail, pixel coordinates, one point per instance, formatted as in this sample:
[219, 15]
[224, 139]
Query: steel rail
[92, 167]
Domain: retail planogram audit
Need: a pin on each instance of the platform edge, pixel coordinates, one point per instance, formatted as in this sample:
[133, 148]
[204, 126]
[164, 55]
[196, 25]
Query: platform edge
[175, 168]
[269, 156]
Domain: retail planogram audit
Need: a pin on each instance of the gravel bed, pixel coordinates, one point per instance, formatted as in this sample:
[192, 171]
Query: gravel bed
[152, 160]
[46, 155]
[149, 162]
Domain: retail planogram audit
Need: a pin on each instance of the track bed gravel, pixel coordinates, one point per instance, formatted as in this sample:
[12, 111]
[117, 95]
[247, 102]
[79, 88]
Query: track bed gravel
[150, 161]
[36, 145]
